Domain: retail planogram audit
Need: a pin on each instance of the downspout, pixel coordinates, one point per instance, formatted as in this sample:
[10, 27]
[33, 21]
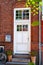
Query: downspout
[39, 36]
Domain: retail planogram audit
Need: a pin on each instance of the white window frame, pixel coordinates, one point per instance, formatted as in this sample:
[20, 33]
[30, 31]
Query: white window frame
[22, 19]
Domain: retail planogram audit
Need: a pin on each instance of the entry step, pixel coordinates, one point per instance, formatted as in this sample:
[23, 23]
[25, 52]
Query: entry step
[14, 63]
[20, 60]
[21, 56]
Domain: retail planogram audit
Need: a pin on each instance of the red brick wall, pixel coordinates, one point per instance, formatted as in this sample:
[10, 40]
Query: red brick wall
[6, 23]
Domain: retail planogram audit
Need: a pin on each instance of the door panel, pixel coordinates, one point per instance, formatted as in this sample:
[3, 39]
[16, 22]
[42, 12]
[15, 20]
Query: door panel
[21, 48]
[19, 37]
[25, 37]
[22, 38]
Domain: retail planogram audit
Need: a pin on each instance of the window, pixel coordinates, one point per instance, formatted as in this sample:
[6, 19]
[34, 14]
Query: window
[22, 14]
[19, 27]
[25, 27]
[22, 27]
[18, 14]
[7, 38]
[26, 14]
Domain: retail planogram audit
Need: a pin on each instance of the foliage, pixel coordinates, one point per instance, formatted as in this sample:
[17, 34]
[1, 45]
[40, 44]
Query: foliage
[34, 4]
[31, 63]
[35, 23]
[36, 0]
[9, 52]
[33, 53]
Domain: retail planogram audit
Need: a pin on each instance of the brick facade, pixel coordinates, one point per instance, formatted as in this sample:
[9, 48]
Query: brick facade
[6, 23]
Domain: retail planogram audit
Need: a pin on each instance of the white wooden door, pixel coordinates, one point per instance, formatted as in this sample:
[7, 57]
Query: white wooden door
[22, 38]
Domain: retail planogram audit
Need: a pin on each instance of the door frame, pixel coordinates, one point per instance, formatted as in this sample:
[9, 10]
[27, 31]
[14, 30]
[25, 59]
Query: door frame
[24, 20]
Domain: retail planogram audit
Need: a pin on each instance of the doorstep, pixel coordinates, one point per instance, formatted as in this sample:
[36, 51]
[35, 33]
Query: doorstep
[16, 63]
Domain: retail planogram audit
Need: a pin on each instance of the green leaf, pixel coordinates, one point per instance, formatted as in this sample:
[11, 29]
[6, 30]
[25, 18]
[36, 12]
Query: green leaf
[36, 0]
[35, 23]
[31, 63]
[30, 0]
[37, 5]
[33, 2]
[40, 9]
[40, 3]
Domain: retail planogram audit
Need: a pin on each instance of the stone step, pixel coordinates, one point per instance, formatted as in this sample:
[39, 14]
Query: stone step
[21, 56]
[20, 60]
[16, 63]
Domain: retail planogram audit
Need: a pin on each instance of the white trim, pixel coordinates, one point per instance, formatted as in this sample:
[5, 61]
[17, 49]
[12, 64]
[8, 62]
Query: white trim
[25, 22]
[22, 9]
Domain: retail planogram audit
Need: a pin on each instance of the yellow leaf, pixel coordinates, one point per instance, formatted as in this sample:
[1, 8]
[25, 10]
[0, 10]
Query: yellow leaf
[34, 6]
[33, 10]
[37, 8]
[34, 14]
[28, 3]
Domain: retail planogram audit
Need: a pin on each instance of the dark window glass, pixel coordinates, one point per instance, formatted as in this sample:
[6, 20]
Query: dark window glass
[18, 14]
[25, 27]
[22, 14]
[18, 28]
[26, 14]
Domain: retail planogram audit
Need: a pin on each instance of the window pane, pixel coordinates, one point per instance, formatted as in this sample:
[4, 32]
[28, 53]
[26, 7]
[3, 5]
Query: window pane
[18, 28]
[25, 27]
[26, 14]
[18, 14]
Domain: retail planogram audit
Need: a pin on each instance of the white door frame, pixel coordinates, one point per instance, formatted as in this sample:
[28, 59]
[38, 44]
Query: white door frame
[14, 45]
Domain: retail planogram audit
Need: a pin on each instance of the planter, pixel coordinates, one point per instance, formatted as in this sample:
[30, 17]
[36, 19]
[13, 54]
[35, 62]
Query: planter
[33, 59]
[9, 58]
[9, 55]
